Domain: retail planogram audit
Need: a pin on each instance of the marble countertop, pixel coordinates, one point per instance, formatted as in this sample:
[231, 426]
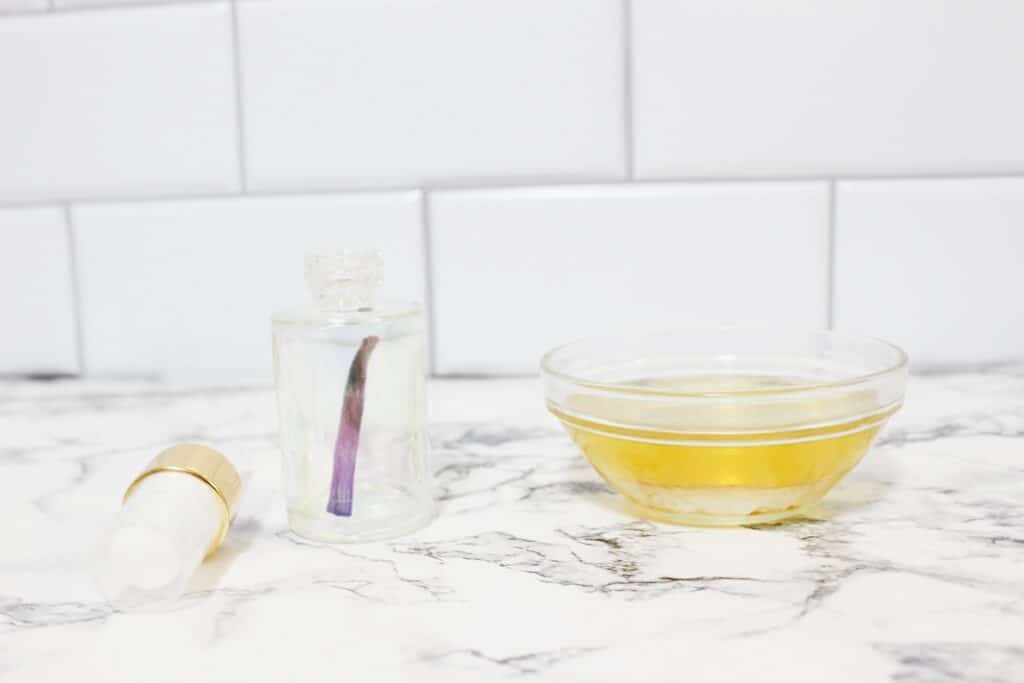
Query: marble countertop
[914, 570]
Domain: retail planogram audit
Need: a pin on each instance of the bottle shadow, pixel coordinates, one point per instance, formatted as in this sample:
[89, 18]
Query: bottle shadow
[208, 575]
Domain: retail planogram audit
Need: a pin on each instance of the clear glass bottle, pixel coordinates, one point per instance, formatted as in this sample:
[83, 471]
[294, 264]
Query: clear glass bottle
[350, 376]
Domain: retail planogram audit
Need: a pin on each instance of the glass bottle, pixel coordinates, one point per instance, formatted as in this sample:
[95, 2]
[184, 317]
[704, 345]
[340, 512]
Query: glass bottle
[350, 372]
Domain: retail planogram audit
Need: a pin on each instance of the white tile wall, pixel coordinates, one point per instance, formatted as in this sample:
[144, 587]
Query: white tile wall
[516, 272]
[187, 135]
[74, 4]
[117, 103]
[364, 92]
[933, 265]
[185, 289]
[747, 87]
[13, 6]
[36, 303]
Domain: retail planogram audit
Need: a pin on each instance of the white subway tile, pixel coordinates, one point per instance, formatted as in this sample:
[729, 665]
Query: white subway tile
[74, 4]
[36, 300]
[185, 290]
[117, 103]
[364, 92]
[16, 6]
[516, 272]
[748, 87]
[934, 266]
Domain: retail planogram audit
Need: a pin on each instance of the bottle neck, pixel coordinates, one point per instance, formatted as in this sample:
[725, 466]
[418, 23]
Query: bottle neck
[344, 298]
[343, 281]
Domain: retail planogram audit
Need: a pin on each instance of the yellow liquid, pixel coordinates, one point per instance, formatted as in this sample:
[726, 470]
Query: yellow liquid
[722, 461]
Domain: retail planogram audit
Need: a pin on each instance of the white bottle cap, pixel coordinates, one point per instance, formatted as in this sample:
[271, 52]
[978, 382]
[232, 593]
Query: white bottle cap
[175, 513]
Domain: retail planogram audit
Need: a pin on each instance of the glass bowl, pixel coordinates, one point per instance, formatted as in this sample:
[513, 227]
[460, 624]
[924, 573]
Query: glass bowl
[724, 426]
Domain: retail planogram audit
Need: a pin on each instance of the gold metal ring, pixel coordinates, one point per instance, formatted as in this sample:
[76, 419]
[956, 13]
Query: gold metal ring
[208, 466]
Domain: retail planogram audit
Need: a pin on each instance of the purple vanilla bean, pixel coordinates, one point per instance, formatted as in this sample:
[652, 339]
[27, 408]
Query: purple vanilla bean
[347, 444]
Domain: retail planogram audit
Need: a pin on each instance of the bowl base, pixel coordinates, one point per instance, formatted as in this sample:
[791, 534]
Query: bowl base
[725, 506]
[709, 520]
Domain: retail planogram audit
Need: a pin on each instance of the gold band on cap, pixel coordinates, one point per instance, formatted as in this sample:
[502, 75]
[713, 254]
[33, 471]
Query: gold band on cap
[208, 466]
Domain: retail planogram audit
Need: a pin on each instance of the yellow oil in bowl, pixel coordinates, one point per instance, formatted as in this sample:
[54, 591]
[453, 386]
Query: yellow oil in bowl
[735, 449]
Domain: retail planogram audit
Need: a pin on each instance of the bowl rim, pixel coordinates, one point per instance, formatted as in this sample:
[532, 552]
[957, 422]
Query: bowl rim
[900, 365]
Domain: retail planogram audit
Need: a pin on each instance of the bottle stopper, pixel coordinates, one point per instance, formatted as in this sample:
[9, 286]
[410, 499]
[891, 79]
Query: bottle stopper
[174, 514]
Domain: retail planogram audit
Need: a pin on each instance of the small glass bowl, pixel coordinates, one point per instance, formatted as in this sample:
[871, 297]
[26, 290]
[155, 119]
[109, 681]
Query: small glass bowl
[724, 426]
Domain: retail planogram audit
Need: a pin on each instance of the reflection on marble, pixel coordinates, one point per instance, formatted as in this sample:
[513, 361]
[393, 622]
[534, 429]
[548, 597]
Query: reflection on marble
[912, 570]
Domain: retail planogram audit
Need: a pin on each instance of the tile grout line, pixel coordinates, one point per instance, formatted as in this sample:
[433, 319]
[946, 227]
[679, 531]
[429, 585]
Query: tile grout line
[76, 293]
[426, 231]
[536, 184]
[627, 87]
[236, 55]
[51, 7]
[830, 282]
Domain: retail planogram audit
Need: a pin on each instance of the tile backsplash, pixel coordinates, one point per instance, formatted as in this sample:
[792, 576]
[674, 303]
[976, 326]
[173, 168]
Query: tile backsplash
[519, 271]
[37, 299]
[404, 93]
[117, 103]
[751, 88]
[185, 288]
[935, 264]
[533, 171]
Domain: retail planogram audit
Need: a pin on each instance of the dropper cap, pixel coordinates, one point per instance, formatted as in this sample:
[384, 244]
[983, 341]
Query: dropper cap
[345, 279]
[175, 513]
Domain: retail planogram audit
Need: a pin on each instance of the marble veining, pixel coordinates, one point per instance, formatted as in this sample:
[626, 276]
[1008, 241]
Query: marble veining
[911, 570]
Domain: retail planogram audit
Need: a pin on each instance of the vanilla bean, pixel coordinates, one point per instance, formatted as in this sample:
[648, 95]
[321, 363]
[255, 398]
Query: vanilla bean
[346, 446]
